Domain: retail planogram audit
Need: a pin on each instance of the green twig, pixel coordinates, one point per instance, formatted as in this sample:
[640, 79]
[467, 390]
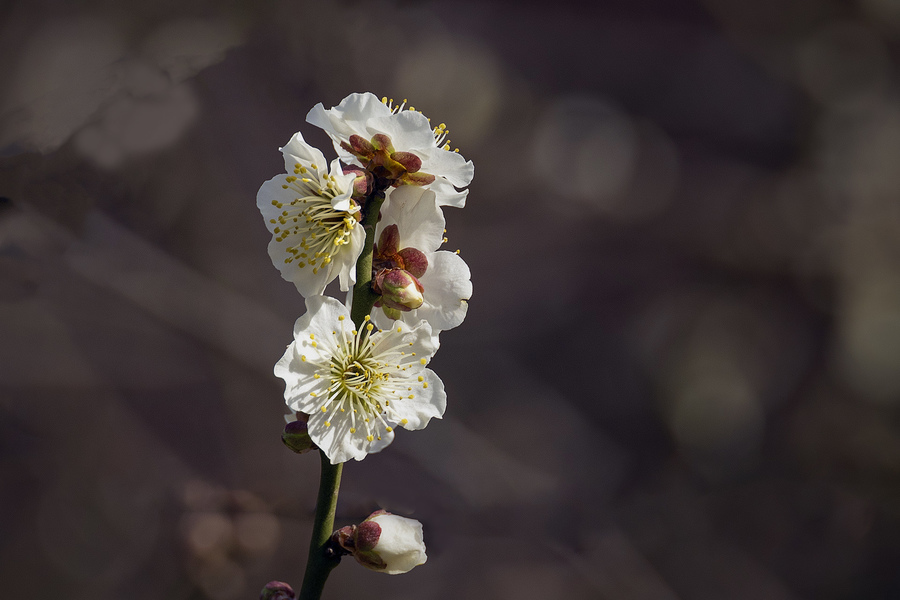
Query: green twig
[321, 561]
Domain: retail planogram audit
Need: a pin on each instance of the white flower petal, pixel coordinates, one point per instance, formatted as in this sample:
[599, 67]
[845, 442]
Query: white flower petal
[297, 151]
[449, 165]
[349, 117]
[339, 444]
[447, 195]
[448, 287]
[401, 544]
[417, 216]
[429, 401]
[409, 131]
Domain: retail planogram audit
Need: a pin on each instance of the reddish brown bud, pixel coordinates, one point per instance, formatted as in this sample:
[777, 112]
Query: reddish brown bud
[414, 179]
[382, 142]
[277, 590]
[389, 241]
[414, 261]
[410, 161]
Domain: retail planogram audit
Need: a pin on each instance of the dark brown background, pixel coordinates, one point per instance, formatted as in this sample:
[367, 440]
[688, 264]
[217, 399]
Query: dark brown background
[680, 372]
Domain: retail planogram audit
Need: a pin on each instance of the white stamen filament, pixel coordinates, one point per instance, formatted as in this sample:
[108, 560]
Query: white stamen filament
[314, 230]
[364, 371]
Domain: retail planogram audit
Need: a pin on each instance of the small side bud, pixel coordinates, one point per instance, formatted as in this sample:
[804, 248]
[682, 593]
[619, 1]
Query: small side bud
[363, 182]
[296, 436]
[277, 590]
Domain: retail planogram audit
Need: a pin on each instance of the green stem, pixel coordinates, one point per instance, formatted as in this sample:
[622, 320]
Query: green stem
[363, 296]
[321, 558]
[320, 561]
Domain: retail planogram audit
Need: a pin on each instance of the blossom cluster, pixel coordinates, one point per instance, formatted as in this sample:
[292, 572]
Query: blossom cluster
[353, 384]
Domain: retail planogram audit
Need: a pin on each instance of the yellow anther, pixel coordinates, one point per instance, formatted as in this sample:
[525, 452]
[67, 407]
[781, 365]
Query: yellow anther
[410, 396]
[370, 327]
[404, 421]
[353, 430]
[369, 437]
[303, 357]
[388, 429]
[425, 385]
[327, 424]
[340, 318]
[316, 376]
[367, 318]
[423, 361]
[421, 378]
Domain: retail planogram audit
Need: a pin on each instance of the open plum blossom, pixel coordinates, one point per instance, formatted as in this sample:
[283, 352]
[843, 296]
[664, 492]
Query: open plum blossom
[417, 281]
[313, 220]
[385, 542]
[396, 145]
[357, 386]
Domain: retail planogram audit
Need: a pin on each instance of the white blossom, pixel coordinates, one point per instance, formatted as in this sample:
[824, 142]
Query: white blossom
[316, 236]
[408, 130]
[357, 386]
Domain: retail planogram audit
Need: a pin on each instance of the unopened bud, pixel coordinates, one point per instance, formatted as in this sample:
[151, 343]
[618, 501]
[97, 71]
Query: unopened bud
[388, 543]
[399, 289]
[277, 590]
[296, 436]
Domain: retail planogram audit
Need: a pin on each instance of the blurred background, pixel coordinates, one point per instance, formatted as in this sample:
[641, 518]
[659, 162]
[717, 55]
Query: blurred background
[680, 372]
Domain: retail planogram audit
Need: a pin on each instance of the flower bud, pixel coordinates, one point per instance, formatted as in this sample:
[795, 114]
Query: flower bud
[296, 436]
[385, 542]
[399, 289]
[277, 590]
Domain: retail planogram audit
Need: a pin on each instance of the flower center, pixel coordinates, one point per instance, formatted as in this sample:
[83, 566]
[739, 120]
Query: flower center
[365, 375]
[312, 228]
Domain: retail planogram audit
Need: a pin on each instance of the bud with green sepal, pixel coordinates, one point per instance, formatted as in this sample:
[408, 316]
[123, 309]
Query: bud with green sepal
[296, 433]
